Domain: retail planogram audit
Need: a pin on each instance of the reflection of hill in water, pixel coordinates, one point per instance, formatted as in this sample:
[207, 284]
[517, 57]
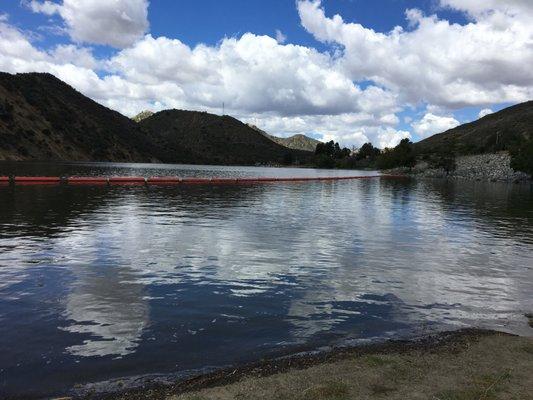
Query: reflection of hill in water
[493, 206]
[39, 211]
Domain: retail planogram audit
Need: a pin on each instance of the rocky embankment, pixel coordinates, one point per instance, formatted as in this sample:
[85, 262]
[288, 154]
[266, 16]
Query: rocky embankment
[495, 167]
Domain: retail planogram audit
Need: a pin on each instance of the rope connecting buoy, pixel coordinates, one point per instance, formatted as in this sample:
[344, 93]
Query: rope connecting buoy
[168, 180]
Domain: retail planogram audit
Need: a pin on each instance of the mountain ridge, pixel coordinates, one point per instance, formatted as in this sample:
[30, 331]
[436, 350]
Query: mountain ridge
[43, 118]
[210, 138]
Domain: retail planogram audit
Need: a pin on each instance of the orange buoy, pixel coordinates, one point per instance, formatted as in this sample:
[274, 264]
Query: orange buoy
[87, 180]
[127, 180]
[196, 181]
[216, 181]
[246, 181]
[172, 180]
[39, 180]
[163, 180]
[260, 179]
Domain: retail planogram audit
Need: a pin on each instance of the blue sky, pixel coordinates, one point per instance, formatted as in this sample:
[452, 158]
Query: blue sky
[207, 21]
[338, 82]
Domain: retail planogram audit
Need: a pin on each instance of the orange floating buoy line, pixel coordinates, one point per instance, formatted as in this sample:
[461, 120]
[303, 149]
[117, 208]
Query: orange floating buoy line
[165, 180]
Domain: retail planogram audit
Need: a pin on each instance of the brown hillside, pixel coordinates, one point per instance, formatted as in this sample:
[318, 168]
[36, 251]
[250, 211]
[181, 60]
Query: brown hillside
[43, 118]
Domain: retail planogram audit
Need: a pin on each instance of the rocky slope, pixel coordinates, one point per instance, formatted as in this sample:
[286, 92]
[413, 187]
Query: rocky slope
[496, 147]
[296, 142]
[481, 167]
[142, 115]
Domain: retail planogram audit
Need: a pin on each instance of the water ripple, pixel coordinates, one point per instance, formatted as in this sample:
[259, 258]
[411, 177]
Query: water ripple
[112, 281]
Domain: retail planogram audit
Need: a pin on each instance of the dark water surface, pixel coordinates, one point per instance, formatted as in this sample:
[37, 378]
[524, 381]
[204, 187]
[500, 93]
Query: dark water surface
[99, 283]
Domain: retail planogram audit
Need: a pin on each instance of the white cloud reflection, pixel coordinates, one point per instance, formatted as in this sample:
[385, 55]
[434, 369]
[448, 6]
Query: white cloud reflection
[321, 247]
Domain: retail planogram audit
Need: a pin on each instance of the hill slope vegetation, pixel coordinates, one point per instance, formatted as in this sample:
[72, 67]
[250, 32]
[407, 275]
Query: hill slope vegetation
[213, 139]
[43, 118]
[495, 132]
[510, 130]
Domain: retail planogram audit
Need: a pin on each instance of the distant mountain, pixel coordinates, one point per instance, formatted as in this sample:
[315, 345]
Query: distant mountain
[299, 141]
[142, 115]
[207, 138]
[494, 132]
[296, 142]
[43, 118]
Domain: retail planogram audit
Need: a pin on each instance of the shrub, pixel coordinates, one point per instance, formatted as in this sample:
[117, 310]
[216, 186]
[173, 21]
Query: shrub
[446, 161]
[522, 156]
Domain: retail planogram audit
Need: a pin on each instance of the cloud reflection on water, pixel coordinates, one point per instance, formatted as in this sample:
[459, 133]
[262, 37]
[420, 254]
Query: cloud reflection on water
[323, 247]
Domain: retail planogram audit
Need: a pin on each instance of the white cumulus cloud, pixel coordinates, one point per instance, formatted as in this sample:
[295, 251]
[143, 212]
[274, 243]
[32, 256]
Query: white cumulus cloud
[117, 23]
[481, 8]
[485, 112]
[435, 61]
[250, 74]
[431, 124]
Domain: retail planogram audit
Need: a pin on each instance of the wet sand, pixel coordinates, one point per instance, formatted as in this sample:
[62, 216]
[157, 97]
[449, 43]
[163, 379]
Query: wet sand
[461, 365]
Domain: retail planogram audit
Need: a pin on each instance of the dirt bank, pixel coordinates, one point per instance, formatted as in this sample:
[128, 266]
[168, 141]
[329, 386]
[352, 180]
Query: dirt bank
[468, 364]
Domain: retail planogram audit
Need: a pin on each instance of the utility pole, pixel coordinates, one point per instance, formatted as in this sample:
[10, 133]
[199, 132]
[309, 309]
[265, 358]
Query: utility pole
[223, 109]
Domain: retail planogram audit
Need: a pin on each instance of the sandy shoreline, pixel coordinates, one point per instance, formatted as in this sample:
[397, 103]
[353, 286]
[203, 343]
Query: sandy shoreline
[451, 365]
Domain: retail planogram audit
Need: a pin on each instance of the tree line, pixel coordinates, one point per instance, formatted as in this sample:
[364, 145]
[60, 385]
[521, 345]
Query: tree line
[404, 155]
[331, 155]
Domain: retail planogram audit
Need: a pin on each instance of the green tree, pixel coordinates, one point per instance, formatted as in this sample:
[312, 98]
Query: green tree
[402, 155]
[328, 154]
[367, 152]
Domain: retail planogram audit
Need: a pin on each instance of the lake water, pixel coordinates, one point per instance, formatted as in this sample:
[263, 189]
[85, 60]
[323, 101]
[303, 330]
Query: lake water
[104, 283]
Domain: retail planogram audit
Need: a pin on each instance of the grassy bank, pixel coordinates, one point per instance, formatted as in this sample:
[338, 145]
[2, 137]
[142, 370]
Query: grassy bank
[465, 365]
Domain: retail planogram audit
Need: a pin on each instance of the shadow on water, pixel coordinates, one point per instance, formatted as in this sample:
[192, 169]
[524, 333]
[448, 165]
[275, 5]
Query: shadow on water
[107, 282]
[50, 210]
